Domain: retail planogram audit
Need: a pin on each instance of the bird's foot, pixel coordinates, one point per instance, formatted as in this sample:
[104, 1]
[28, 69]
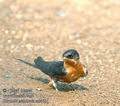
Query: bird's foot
[53, 84]
[50, 84]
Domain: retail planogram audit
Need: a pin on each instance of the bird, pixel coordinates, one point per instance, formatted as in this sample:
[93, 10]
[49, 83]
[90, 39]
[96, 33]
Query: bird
[68, 70]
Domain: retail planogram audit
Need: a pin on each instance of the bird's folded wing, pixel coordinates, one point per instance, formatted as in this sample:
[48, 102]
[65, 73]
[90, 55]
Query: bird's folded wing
[53, 68]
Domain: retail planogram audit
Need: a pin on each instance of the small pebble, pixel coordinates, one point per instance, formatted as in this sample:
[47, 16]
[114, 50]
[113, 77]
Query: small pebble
[25, 36]
[100, 61]
[61, 13]
[13, 32]
[12, 46]
[19, 16]
[71, 37]
[110, 60]
[78, 41]
[29, 46]
[85, 43]
[90, 52]
[0, 59]
[6, 31]
[11, 51]
[9, 41]
[39, 89]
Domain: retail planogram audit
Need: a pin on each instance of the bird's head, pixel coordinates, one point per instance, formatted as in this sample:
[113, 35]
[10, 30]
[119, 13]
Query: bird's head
[71, 54]
[71, 57]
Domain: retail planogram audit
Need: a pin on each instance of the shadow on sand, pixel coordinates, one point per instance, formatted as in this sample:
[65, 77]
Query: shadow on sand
[61, 86]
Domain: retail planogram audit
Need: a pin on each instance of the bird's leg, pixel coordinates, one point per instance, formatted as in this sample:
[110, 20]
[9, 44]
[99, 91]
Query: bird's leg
[54, 83]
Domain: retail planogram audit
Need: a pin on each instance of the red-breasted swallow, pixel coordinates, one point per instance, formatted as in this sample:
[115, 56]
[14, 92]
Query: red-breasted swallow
[68, 70]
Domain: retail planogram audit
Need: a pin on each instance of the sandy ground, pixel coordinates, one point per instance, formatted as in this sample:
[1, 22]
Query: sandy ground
[31, 28]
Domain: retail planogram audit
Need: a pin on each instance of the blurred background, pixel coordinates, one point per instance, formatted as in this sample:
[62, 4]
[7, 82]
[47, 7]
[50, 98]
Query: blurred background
[31, 28]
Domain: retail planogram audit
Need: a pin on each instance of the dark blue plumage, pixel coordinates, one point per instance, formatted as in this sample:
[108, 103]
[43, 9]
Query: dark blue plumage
[53, 68]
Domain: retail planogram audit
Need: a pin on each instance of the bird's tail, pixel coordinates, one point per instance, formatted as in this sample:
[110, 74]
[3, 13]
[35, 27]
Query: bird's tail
[30, 64]
[39, 63]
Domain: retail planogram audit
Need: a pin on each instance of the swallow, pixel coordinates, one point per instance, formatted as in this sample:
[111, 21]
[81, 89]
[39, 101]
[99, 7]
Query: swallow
[68, 70]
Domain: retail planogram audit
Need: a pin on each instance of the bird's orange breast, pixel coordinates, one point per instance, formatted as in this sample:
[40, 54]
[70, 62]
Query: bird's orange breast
[74, 71]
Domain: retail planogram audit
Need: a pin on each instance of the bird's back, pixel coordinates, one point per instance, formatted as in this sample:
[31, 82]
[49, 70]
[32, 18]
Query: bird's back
[53, 68]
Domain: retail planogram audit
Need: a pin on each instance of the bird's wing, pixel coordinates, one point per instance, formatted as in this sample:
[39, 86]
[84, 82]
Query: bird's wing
[54, 68]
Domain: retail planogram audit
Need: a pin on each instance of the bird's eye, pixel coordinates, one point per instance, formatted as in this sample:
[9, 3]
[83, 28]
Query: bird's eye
[69, 56]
